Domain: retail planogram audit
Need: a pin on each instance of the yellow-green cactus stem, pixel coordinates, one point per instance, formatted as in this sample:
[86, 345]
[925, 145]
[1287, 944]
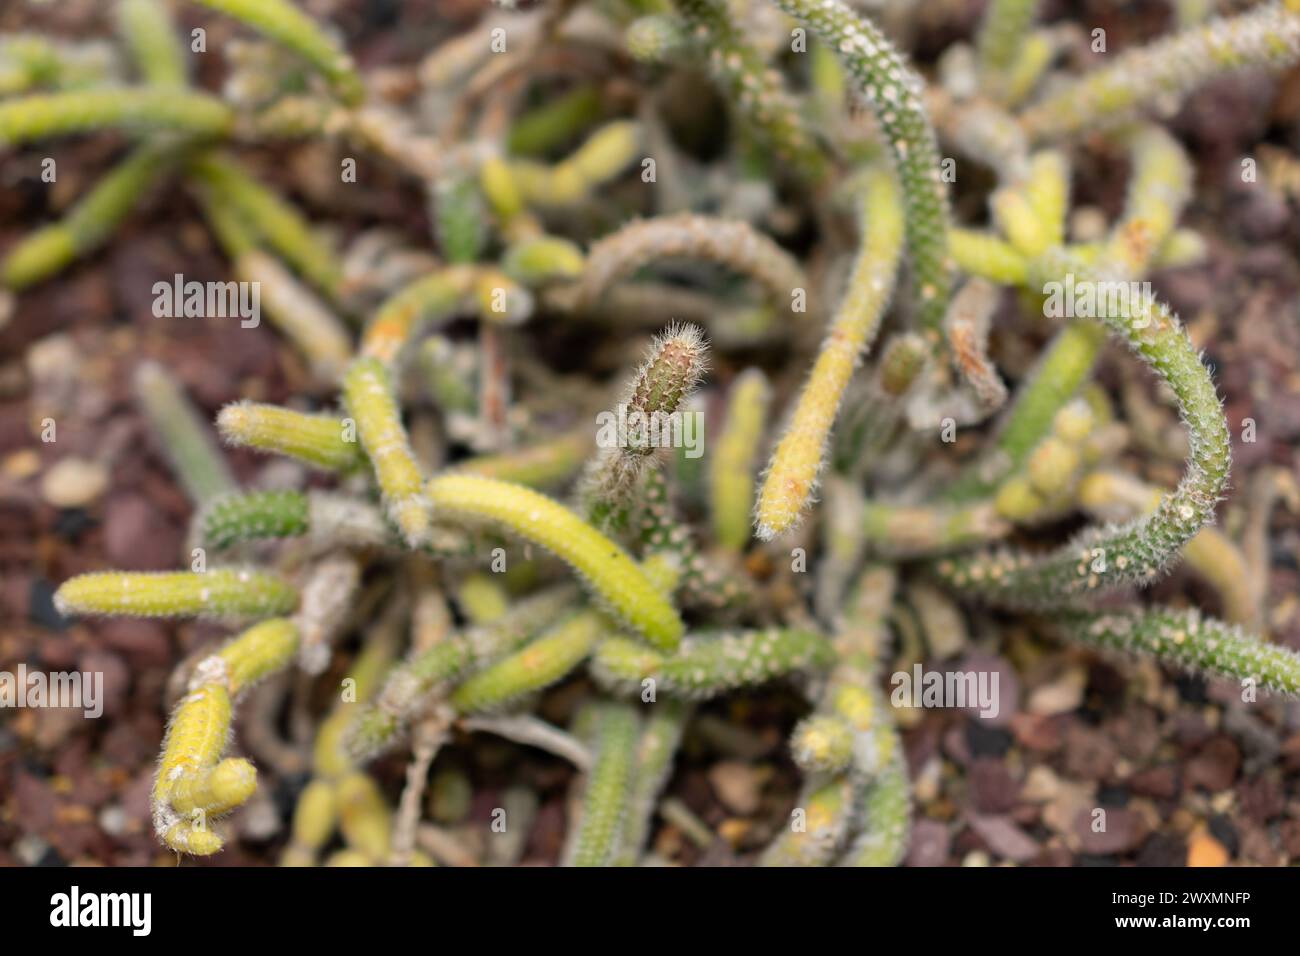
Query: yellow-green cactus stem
[499, 299]
[364, 816]
[1052, 466]
[1190, 641]
[196, 737]
[1019, 221]
[1167, 71]
[541, 663]
[215, 791]
[298, 314]
[501, 190]
[481, 599]
[1212, 555]
[604, 156]
[1036, 54]
[150, 34]
[258, 652]
[1136, 552]
[733, 244]
[48, 115]
[818, 825]
[219, 593]
[368, 393]
[186, 439]
[89, 223]
[1047, 188]
[982, 254]
[764, 104]
[28, 60]
[431, 671]
[1057, 376]
[326, 442]
[731, 467]
[608, 572]
[595, 839]
[285, 24]
[895, 93]
[884, 806]
[274, 220]
[537, 466]
[1183, 248]
[1002, 31]
[540, 260]
[1158, 189]
[401, 317]
[554, 122]
[903, 531]
[822, 744]
[314, 818]
[708, 665]
[661, 735]
[800, 454]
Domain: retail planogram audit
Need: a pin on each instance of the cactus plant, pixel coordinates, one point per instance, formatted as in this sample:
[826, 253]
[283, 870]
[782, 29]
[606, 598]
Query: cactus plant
[444, 465]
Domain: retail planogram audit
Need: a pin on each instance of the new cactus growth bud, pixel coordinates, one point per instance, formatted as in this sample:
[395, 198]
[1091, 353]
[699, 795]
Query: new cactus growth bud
[674, 365]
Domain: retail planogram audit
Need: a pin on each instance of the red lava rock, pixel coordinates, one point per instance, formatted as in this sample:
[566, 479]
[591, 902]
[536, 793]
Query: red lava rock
[1038, 732]
[1290, 833]
[58, 652]
[1136, 733]
[1258, 847]
[129, 743]
[35, 801]
[992, 788]
[1290, 753]
[1215, 767]
[137, 537]
[1261, 798]
[929, 843]
[1124, 830]
[1089, 754]
[955, 745]
[1159, 782]
[116, 679]
[1190, 729]
[143, 643]
[1008, 696]
[1004, 838]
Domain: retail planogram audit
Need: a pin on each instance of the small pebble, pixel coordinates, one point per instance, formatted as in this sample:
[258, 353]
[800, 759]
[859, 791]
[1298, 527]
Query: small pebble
[74, 483]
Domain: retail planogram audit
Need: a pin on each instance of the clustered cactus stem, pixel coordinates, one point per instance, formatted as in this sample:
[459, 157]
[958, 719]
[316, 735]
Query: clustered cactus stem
[800, 454]
[1136, 552]
[453, 437]
[896, 96]
[1167, 70]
